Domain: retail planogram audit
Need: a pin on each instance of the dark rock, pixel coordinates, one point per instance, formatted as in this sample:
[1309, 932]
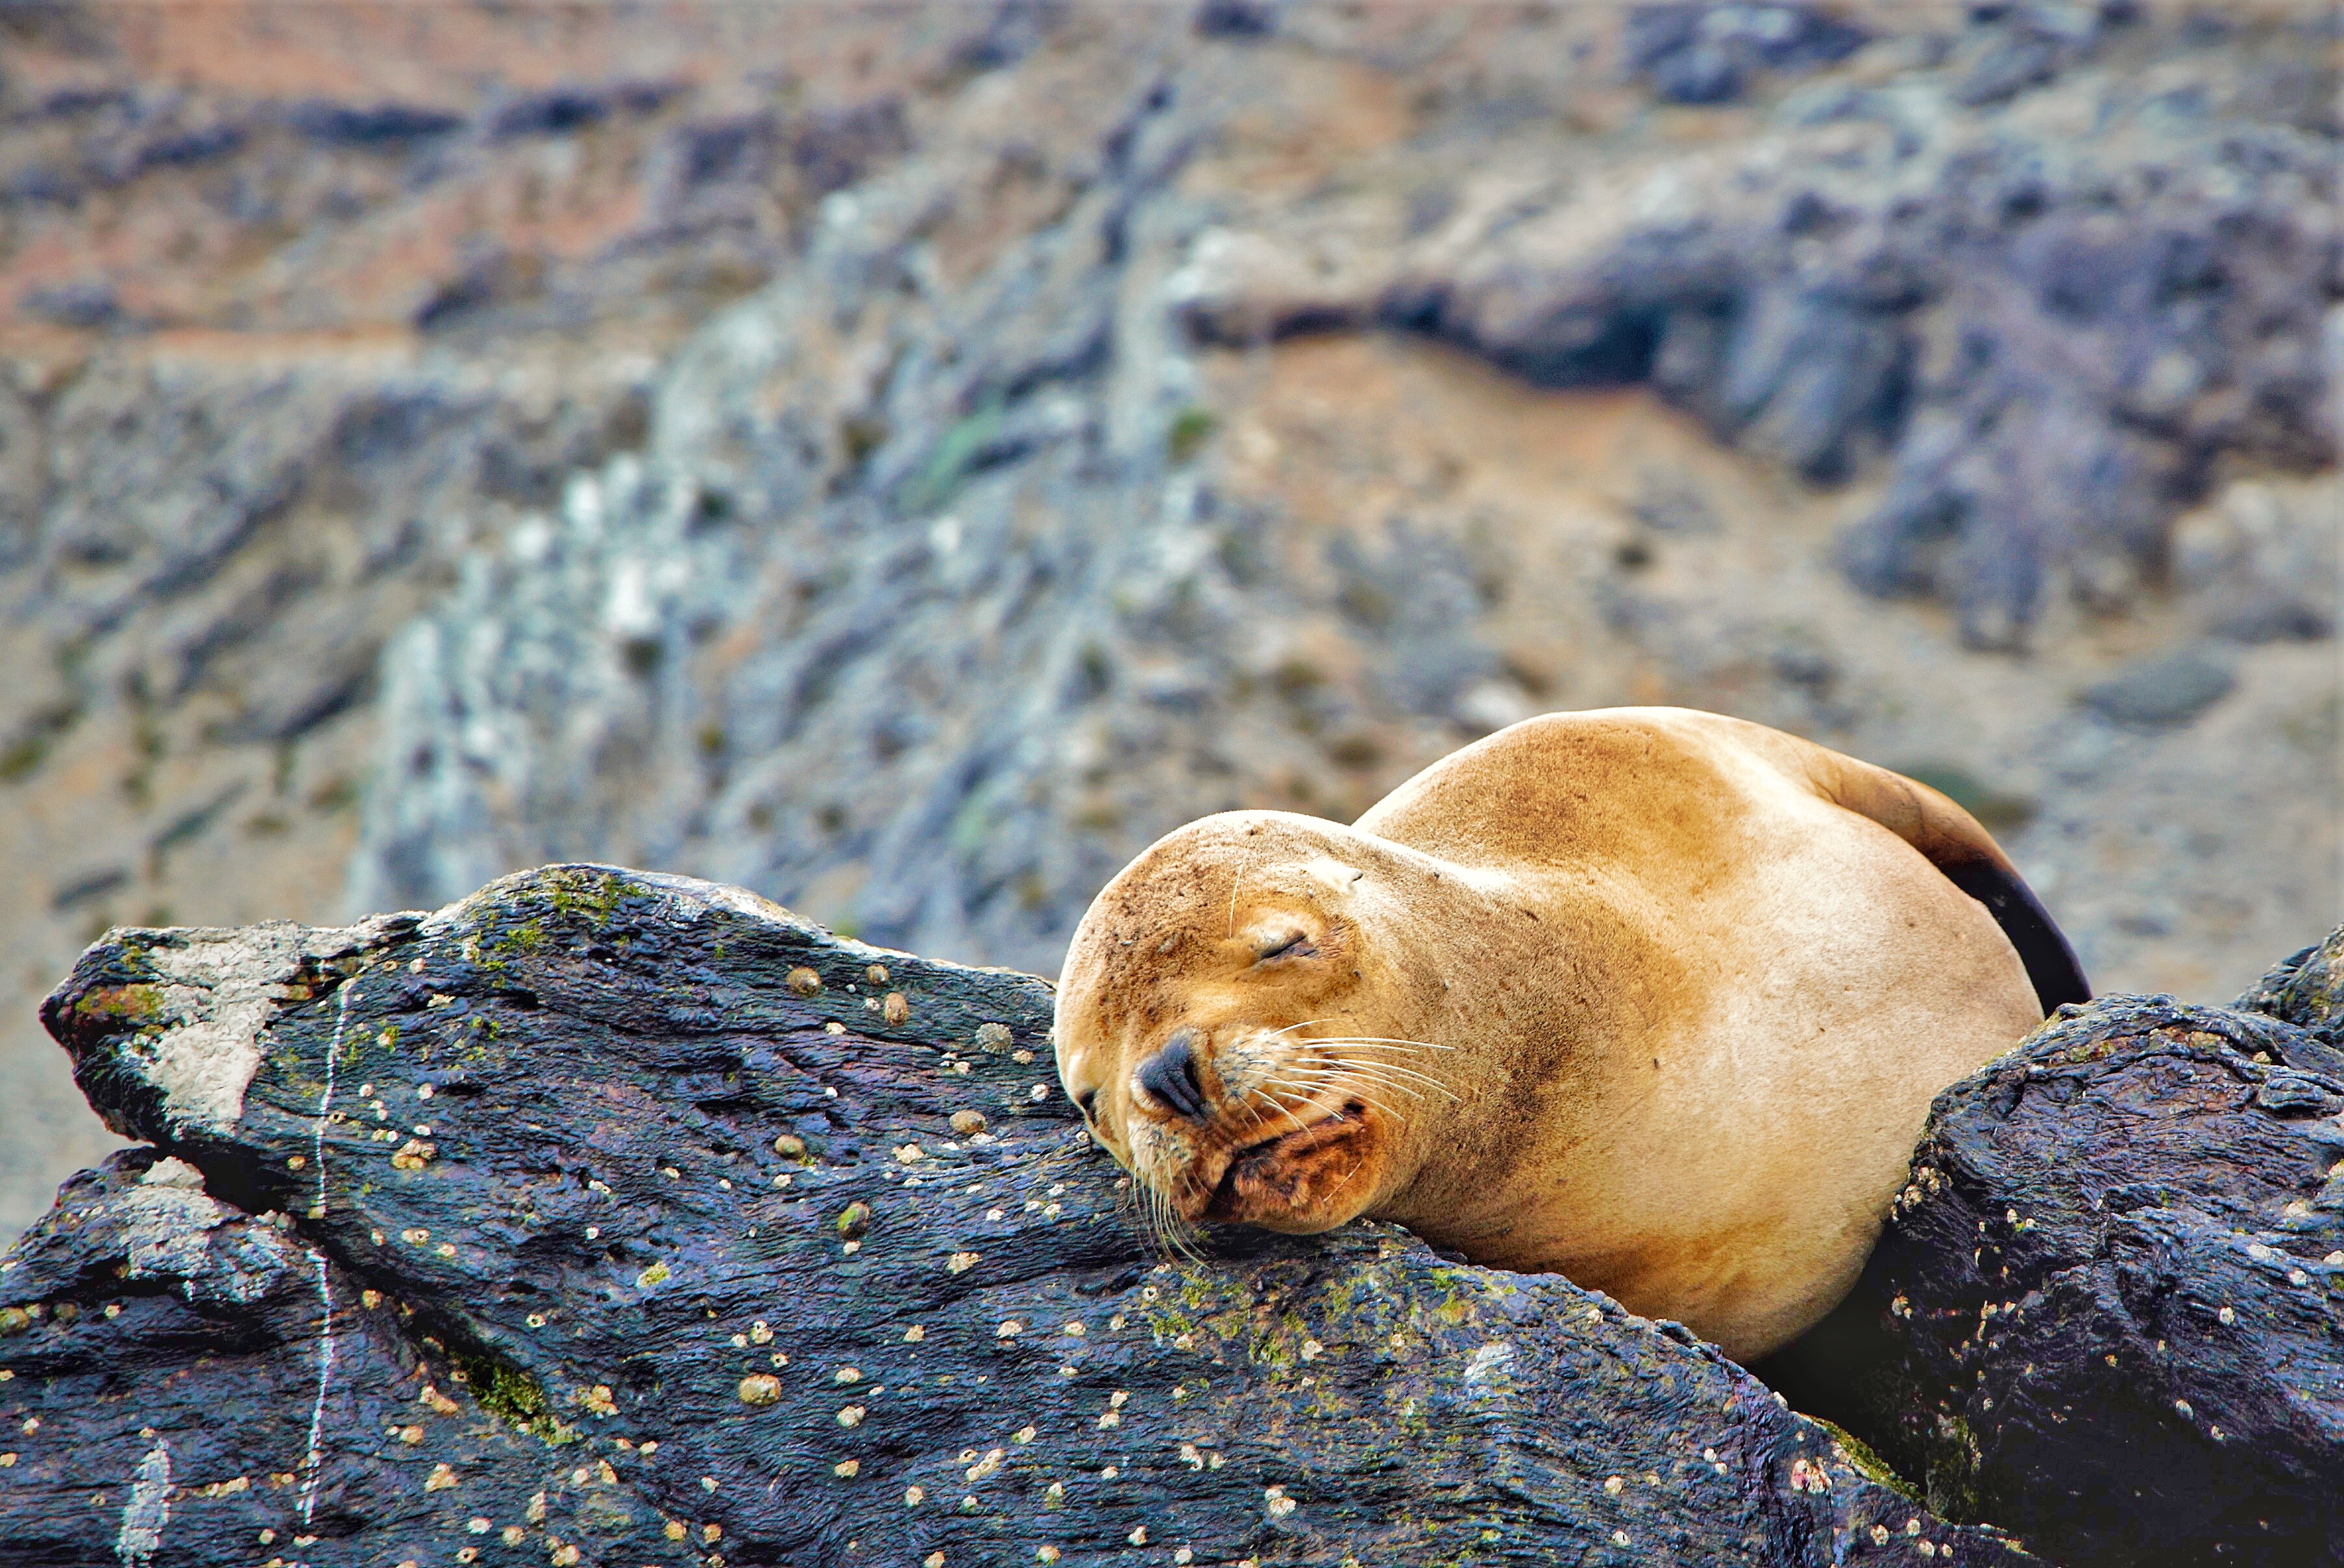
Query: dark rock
[2307, 991]
[1015, 30]
[490, 278]
[610, 1215]
[1236, 18]
[557, 111]
[188, 147]
[89, 303]
[2271, 618]
[1705, 52]
[2163, 693]
[2106, 1312]
[387, 126]
[833, 150]
[2008, 65]
[284, 704]
[89, 884]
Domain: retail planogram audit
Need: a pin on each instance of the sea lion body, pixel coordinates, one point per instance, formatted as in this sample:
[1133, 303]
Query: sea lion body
[1653, 998]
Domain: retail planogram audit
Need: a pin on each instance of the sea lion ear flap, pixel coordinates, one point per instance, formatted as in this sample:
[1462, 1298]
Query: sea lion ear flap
[1337, 876]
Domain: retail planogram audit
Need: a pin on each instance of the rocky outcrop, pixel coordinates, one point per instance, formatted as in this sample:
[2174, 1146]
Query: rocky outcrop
[2307, 991]
[2108, 1310]
[606, 1216]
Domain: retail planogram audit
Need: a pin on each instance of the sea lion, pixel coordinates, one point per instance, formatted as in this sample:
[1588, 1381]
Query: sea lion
[1655, 998]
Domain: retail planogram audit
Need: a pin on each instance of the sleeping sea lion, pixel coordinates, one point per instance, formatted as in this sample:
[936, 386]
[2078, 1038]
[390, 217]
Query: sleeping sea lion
[1655, 998]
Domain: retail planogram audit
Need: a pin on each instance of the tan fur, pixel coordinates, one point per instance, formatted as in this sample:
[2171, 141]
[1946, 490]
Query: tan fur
[1696, 985]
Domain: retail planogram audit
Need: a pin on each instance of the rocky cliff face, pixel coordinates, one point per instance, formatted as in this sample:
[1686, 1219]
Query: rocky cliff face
[1150, 411]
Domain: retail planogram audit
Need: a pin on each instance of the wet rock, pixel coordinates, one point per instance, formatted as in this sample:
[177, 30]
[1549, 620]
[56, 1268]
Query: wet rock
[2307, 991]
[2106, 1309]
[603, 1319]
[2163, 693]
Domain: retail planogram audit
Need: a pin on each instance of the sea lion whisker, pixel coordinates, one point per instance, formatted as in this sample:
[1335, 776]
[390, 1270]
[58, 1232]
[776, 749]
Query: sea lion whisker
[1278, 1106]
[1172, 1232]
[1378, 1040]
[1390, 1072]
[1142, 1215]
[1387, 1040]
[1182, 1237]
[1350, 1085]
[1355, 1073]
[1384, 1072]
[1143, 1199]
[1352, 1091]
[1309, 1090]
[1357, 1166]
[1334, 1071]
[1365, 1044]
[1153, 1219]
[1413, 1091]
[1237, 881]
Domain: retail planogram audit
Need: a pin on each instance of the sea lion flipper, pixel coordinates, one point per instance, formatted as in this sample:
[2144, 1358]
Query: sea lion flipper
[1952, 841]
[2051, 963]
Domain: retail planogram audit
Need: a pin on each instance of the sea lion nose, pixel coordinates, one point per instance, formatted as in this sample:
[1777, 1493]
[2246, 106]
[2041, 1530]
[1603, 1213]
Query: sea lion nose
[1170, 1075]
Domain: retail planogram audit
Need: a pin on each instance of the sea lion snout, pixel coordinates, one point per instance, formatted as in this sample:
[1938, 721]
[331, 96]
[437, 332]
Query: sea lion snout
[1168, 1077]
[1243, 1123]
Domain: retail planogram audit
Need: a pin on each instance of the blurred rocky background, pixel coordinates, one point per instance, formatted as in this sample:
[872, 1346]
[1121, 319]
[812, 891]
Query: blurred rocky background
[904, 459]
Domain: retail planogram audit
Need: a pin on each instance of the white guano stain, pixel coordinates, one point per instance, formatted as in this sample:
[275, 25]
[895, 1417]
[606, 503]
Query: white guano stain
[148, 1510]
[216, 991]
[1490, 1364]
[313, 1461]
[326, 1095]
[171, 1216]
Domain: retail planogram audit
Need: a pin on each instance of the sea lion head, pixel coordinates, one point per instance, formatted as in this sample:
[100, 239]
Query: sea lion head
[1205, 1021]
